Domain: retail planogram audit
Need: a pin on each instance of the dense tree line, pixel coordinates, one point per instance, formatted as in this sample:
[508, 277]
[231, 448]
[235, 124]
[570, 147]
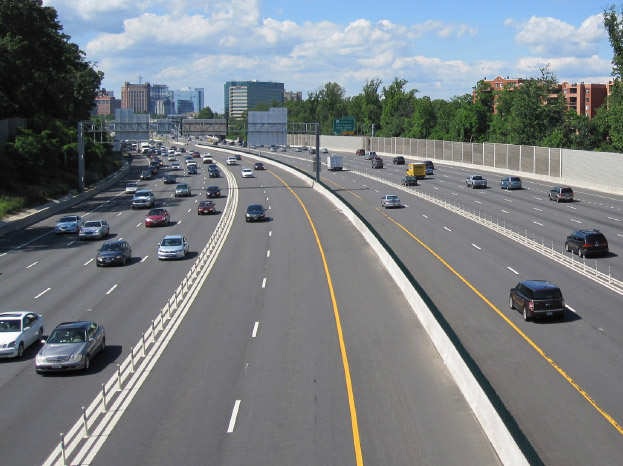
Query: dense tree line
[533, 113]
[45, 79]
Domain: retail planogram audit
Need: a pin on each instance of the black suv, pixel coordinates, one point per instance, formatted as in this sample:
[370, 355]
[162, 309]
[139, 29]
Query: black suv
[536, 299]
[585, 242]
[399, 160]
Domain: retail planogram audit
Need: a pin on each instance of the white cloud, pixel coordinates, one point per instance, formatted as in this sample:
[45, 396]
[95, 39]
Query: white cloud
[556, 38]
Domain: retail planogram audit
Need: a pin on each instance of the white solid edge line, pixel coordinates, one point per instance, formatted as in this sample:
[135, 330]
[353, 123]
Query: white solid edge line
[234, 415]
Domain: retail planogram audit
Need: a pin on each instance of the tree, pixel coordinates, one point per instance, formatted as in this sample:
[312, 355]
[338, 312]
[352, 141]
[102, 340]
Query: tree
[41, 72]
[366, 107]
[614, 113]
[398, 107]
[205, 113]
[423, 120]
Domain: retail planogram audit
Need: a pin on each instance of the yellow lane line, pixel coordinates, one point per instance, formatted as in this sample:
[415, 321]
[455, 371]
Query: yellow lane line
[338, 324]
[517, 329]
[341, 187]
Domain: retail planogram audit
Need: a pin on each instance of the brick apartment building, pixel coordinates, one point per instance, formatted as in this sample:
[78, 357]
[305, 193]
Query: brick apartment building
[582, 98]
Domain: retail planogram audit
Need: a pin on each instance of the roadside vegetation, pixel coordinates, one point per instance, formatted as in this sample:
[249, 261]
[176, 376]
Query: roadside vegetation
[48, 83]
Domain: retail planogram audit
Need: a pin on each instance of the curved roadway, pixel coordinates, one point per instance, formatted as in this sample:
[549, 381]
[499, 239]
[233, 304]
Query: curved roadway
[256, 371]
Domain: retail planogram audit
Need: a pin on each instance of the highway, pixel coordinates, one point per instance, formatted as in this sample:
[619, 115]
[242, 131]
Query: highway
[559, 379]
[260, 365]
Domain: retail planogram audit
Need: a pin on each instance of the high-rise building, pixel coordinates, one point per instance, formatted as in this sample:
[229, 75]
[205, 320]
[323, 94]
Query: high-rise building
[188, 100]
[242, 96]
[160, 100]
[136, 97]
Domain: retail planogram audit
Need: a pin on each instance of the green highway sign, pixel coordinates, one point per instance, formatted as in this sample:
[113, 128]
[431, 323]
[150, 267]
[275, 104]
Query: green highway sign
[344, 126]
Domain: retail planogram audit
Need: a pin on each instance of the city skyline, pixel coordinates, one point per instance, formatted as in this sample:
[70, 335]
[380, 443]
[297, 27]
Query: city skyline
[441, 50]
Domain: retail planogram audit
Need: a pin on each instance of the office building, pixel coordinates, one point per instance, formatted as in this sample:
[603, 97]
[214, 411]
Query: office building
[106, 104]
[136, 97]
[188, 100]
[289, 96]
[242, 96]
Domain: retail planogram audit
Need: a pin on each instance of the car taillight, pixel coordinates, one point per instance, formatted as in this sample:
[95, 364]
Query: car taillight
[586, 245]
[531, 305]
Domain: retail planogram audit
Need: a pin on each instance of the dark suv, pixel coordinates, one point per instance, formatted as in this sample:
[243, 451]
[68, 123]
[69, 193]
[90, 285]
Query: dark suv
[585, 242]
[399, 160]
[537, 299]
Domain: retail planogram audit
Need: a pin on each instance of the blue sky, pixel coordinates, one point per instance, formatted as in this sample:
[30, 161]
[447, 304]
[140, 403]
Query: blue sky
[441, 48]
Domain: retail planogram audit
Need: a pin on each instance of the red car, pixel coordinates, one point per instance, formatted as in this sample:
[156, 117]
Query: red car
[196, 154]
[157, 217]
[206, 207]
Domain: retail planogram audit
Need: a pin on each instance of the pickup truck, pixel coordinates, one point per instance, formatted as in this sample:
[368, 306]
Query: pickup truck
[476, 181]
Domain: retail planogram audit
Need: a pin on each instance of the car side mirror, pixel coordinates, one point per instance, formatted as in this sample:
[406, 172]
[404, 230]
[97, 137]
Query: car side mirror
[43, 340]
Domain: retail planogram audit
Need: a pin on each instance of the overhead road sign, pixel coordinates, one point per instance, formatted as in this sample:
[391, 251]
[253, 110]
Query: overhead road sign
[344, 126]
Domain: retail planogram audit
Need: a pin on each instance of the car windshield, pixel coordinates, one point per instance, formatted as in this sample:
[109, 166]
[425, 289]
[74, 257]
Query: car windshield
[566, 190]
[67, 219]
[476, 177]
[515, 179]
[142, 193]
[156, 212]
[111, 247]
[10, 325]
[255, 208]
[67, 335]
[172, 242]
[93, 224]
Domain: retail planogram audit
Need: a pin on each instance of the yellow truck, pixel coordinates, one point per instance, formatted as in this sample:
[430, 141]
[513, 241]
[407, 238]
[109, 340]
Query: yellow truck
[417, 169]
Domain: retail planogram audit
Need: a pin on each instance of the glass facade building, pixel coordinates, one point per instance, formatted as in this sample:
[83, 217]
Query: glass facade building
[242, 96]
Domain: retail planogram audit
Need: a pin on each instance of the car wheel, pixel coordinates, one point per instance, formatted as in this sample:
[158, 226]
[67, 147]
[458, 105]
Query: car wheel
[567, 248]
[510, 302]
[557, 199]
[580, 252]
[40, 335]
[526, 316]
[20, 349]
[123, 261]
[87, 363]
[103, 346]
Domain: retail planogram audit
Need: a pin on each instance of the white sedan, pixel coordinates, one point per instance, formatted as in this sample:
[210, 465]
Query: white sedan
[175, 166]
[19, 330]
[131, 187]
[231, 161]
[247, 173]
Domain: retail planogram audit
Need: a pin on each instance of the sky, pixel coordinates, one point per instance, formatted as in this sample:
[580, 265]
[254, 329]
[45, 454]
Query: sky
[442, 49]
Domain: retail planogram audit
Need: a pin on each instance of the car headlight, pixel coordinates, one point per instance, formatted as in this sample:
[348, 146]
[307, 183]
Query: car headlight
[13, 344]
[76, 357]
[118, 256]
